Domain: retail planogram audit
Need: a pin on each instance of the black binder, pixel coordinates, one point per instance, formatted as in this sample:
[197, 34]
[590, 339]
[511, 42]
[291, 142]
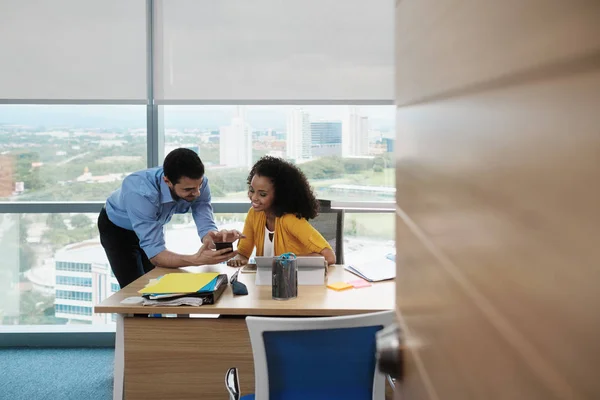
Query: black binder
[207, 297]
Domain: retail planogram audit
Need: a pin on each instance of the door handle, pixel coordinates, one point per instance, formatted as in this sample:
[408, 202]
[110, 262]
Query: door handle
[389, 352]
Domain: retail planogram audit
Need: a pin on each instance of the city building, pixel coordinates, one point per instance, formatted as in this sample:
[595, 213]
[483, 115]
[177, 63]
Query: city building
[236, 142]
[355, 141]
[389, 144]
[326, 138]
[326, 150]
[298, 143]
[326, 132]
[83, 279]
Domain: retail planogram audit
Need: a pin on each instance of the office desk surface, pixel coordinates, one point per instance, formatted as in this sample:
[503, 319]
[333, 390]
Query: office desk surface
[311, 300]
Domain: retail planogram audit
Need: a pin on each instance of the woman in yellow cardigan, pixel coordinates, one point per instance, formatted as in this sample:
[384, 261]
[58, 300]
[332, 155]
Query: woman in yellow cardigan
[277, 222]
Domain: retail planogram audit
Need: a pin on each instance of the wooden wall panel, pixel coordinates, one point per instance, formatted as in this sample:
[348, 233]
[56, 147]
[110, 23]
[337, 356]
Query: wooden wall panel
[457, 349]
[498, 226]
[445, 46]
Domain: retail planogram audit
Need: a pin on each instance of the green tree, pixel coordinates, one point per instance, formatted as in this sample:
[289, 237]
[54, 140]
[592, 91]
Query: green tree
[216, 190]
[324, 168]
[56, 222]
[351, 229]
[378, 164]
[38, 309]
[227, 181]
[27, 174]
[357, 165]
[81, 221]
[27, 256]
[57, 238]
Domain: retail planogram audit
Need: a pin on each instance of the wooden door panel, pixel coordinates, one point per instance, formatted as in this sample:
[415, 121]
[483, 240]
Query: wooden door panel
[498, 194]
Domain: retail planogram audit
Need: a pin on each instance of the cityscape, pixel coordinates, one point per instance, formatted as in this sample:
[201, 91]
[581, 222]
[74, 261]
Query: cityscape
[55, 269]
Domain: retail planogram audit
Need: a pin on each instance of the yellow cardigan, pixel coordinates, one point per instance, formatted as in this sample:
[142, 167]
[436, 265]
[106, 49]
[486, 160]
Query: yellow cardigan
[292, 234]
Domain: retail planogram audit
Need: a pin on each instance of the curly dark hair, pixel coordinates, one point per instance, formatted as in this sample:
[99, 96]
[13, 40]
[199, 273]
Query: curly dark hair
[293, 194]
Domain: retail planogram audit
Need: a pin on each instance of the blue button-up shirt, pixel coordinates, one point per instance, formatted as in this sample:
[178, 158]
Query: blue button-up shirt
[144, 204]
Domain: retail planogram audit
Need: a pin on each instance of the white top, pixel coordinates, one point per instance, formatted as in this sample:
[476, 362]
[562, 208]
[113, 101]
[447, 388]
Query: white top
[268, 248]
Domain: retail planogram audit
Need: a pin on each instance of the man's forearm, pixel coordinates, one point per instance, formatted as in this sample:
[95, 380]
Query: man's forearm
[168, 259]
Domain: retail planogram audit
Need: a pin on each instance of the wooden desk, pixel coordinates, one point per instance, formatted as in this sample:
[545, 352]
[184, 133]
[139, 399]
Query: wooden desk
[186, 358]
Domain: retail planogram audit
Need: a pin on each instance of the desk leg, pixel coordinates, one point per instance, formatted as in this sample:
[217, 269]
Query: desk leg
[119, 369]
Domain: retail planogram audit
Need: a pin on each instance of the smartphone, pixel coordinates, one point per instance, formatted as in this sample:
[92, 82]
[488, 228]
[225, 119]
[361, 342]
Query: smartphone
[224, 245]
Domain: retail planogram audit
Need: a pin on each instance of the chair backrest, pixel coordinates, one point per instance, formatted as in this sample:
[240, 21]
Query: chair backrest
[317, 358]
[330, 224]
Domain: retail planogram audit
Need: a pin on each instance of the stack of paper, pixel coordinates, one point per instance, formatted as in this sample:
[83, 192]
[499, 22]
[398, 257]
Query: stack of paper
[180, 284]
[181, 301]
[375, 270]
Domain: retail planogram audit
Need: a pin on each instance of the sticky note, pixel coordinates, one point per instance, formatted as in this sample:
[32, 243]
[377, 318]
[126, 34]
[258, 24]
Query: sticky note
[180, 283]
[339, 286]
[359, 283]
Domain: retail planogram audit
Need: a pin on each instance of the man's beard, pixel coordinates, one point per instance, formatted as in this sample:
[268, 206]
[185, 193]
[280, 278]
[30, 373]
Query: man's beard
[174, 195]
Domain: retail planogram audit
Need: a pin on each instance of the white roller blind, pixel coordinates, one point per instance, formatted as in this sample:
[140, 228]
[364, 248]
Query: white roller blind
[73, 49]
[274, 50]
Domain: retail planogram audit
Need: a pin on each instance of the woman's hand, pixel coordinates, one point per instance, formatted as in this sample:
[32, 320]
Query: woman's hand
[328, 254]
[238, 261]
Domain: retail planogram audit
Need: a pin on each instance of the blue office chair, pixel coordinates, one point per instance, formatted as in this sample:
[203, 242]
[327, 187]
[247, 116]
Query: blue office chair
[314, 358]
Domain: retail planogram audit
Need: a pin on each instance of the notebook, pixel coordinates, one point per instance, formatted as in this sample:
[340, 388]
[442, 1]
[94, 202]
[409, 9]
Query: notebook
[380, 269]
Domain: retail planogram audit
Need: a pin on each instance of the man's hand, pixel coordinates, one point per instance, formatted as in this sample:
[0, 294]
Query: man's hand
[206, 255]
[209, 239]
[222, 236]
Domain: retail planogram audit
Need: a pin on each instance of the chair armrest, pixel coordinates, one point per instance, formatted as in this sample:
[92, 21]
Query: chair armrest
[232, 383]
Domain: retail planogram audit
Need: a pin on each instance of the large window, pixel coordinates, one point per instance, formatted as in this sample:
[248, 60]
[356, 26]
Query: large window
[365, 234]
[368, 234]
[54, 267]
[68, 152]
[92, 91]
[345, 151]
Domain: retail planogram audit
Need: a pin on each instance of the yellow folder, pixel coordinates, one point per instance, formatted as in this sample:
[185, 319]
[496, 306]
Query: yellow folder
[180, 283]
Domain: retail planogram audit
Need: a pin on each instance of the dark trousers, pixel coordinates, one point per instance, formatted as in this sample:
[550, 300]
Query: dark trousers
[122, 246]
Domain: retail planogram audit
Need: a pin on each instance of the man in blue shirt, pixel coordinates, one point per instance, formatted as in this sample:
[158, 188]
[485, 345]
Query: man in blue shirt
[131, 223]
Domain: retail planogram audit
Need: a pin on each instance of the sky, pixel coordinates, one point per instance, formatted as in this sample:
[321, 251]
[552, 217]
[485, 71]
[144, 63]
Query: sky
[177, 117]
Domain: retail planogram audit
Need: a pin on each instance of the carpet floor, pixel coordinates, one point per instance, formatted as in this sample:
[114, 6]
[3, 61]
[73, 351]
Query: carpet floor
[56, 373]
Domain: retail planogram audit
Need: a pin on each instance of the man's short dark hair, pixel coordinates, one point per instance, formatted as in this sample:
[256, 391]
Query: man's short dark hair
[183, 162]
